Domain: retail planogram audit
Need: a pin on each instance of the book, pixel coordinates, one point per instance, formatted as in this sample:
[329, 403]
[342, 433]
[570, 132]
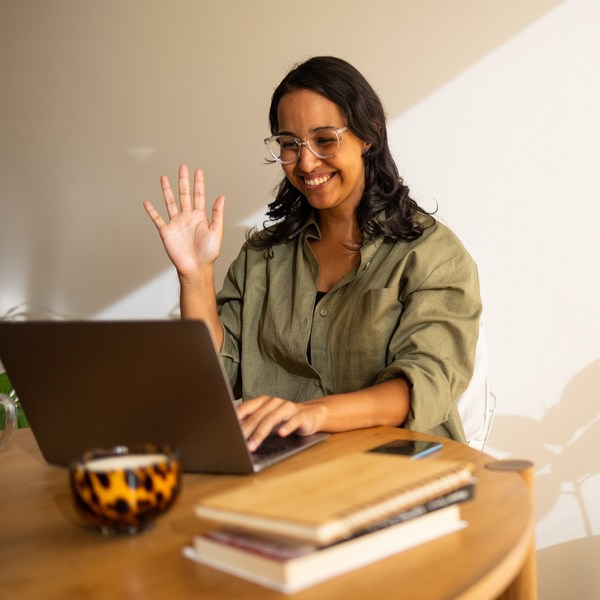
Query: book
[293, 567]
[331, 501]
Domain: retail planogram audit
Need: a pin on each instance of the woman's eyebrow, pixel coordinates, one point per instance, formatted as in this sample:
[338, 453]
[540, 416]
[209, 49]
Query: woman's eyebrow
[323, 128]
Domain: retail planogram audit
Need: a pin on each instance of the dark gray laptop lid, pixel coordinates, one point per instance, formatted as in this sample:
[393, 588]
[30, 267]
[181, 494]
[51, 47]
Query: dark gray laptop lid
[95, 384]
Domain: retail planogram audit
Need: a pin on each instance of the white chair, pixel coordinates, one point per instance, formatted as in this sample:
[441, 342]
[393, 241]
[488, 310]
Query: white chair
[477, 405]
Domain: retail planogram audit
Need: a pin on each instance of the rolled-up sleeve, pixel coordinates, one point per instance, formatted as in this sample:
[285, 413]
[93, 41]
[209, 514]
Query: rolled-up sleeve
[229, 306]
[434, 343]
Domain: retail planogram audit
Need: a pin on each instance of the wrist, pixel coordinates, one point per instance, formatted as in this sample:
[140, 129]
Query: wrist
[198, 277]
[320, 413]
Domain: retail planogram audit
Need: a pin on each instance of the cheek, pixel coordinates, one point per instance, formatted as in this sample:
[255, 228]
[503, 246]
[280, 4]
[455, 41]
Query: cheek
[353, 172]
[288, 171]
[293, 179]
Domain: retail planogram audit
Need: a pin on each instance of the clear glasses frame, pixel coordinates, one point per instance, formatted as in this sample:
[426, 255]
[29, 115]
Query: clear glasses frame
[273, 138]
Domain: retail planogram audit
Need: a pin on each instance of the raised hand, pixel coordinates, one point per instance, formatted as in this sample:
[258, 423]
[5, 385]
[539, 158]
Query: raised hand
[190, 239]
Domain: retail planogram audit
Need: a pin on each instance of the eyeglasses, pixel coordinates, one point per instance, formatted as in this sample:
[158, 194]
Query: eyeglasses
[325, 143]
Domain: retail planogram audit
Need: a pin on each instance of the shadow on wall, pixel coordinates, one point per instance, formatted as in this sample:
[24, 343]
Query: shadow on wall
[564, 446]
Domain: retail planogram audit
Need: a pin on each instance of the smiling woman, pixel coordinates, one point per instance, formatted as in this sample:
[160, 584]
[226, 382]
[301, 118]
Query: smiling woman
[354, 308]
[335, 182]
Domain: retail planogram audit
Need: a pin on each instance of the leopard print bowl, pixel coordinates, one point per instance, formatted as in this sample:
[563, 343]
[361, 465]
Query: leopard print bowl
[123, 489]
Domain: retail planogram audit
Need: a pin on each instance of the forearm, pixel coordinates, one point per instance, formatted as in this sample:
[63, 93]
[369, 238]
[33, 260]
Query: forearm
[385, 404]
[198, 301]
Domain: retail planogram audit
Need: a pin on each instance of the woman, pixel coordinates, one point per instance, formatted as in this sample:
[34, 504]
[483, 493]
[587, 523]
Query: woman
[356, 308]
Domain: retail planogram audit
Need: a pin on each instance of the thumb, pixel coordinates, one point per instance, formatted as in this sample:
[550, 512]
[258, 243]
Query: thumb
[218, 214]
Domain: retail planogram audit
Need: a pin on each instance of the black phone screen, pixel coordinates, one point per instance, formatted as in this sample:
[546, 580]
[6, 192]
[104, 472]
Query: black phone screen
[411, 448]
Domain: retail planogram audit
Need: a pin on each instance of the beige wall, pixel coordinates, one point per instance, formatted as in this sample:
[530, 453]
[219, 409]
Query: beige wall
[101, 98]
[493, 113]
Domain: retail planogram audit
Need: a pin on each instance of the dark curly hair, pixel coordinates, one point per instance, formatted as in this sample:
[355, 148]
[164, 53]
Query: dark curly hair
[386, 208]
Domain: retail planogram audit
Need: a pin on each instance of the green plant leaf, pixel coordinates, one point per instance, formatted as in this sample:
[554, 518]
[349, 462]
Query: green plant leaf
[5, 385]
[7, 388]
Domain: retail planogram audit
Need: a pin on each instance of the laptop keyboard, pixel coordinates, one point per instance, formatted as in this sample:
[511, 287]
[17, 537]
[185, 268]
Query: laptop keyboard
[263, 451]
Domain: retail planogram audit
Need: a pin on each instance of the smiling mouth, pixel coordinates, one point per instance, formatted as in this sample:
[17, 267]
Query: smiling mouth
[318, 180]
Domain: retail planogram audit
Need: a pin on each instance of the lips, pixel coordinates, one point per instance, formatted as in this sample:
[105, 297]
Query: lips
[319, 180]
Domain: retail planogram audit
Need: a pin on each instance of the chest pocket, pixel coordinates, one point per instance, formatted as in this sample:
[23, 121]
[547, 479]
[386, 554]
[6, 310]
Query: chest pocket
[374, 320]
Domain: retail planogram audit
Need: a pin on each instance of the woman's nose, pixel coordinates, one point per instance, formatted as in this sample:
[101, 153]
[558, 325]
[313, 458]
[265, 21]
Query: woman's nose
[307, 161]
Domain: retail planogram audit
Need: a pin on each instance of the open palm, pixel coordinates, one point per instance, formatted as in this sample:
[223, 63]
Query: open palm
[191, 240]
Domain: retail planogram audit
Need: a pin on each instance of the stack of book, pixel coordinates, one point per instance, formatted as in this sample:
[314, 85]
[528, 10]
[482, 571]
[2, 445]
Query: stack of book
[292, 531]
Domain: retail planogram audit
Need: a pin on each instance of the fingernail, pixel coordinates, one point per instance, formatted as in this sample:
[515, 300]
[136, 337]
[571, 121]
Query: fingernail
[252, 446]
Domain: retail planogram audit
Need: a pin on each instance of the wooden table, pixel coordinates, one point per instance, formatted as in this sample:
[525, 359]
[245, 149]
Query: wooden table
[47, 554]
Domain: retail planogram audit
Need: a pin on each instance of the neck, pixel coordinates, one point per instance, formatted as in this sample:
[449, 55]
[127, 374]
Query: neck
[339, 226]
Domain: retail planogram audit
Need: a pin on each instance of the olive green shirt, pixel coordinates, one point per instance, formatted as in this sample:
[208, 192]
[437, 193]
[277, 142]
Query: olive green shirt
[407, 309]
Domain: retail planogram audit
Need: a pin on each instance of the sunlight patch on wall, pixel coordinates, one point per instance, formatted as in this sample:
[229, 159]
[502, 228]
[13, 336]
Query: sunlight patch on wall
[159, 297]
[562, 524]
[156, 299]
[509, 152]
[256, 219]
[508, 149]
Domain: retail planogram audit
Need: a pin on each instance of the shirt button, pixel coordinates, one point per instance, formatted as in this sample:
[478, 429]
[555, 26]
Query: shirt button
[324, 312]
[305, 322]
[367, 265]
[318, 383]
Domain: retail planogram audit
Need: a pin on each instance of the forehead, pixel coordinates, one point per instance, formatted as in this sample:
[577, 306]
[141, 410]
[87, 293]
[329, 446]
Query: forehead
[304, 110]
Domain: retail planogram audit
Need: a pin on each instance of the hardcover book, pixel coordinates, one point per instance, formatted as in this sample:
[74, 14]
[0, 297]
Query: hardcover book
[292, 567]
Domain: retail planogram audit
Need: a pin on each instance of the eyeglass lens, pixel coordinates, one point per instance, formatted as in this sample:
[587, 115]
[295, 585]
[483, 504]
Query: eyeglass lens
[324, 144]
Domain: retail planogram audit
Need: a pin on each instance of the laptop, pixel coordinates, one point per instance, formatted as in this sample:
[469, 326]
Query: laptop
[98, 384]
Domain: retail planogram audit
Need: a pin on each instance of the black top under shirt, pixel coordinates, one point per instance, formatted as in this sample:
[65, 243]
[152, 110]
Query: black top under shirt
[320, 296]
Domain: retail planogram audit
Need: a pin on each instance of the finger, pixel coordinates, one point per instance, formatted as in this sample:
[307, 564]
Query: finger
[158, 220]
[264, 429]
[269, 419]
[299, 423]
[199, 195]
[218, 215]
[247, 408]
[169, 197]
[185, 196]
[254, 411]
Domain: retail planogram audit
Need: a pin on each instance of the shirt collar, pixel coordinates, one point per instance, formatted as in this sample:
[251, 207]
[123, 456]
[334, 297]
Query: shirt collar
[309, 226]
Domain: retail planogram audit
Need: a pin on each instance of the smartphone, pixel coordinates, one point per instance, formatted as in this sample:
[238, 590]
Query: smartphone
[410, 448]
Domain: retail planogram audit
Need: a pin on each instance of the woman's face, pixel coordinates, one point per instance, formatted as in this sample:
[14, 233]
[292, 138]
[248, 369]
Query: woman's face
[335, 183]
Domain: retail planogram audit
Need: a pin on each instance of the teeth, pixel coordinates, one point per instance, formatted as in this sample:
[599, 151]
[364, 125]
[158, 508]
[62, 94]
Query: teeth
[318, 181]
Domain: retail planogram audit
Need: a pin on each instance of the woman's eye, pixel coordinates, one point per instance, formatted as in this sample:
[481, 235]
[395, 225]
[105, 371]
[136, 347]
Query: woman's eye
[324, 142]
[288, 144]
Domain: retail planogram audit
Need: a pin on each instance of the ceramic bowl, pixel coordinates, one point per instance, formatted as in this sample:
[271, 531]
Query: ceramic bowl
[123, 489]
